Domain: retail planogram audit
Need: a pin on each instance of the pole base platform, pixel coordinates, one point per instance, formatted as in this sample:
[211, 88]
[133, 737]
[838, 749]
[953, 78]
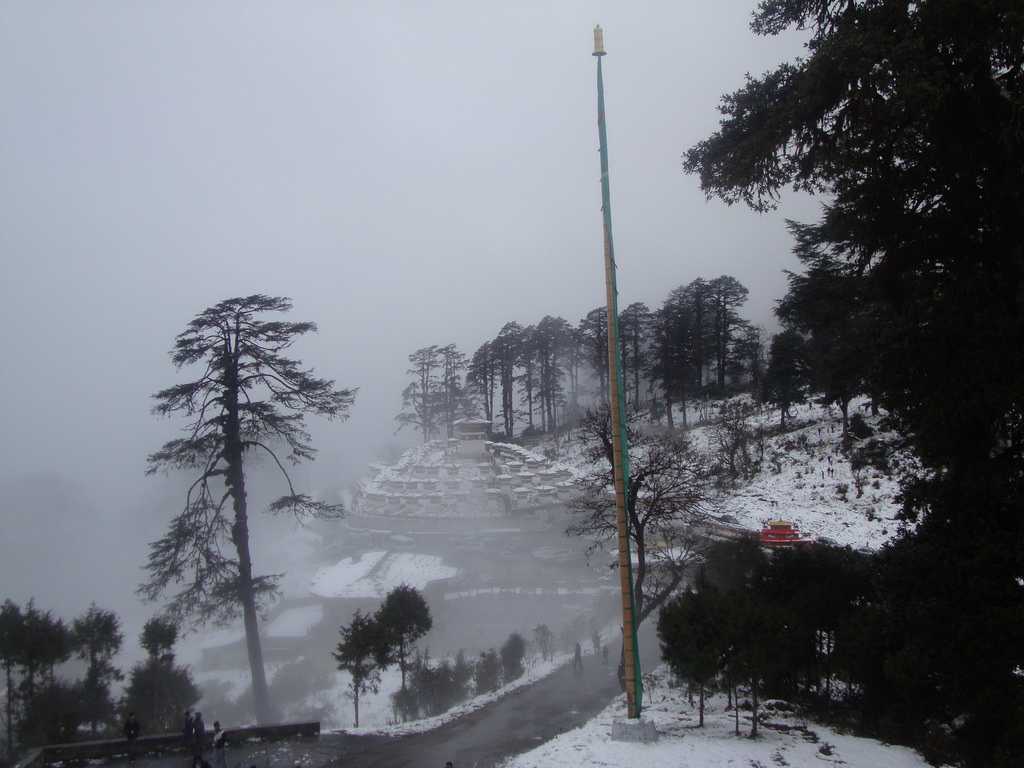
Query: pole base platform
[637, 730]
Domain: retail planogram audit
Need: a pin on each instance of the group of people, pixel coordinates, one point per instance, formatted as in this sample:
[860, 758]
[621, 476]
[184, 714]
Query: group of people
[194, 734]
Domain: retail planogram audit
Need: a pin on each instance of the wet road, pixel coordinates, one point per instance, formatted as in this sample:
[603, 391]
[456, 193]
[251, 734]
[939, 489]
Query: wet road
[513, 724]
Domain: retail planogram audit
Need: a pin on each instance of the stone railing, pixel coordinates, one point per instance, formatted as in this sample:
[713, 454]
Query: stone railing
[167, 742]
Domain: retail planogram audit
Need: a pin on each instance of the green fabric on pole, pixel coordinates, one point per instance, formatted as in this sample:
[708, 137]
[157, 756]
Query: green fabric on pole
[613, 311]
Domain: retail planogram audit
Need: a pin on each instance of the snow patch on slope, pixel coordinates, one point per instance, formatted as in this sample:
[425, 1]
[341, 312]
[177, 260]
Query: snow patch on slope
[374, 574]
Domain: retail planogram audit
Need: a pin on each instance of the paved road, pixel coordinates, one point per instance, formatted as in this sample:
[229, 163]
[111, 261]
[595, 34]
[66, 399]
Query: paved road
[513, 724]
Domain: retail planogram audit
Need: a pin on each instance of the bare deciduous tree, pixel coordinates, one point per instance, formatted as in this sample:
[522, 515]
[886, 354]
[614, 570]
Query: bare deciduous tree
[668, 495]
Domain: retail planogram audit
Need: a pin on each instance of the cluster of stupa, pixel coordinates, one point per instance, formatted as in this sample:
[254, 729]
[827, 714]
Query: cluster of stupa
[466, 476]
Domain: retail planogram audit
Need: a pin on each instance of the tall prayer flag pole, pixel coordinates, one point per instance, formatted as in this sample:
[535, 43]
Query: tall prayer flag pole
[620, 444]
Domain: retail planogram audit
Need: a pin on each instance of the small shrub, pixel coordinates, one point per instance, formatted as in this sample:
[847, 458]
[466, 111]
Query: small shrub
[872, 453]
[487, 674]
[859, 428]
[432, 688]
[512, 653]
[405, 705]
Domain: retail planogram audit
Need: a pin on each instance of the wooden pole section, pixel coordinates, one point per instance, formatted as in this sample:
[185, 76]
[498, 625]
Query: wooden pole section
[620, 445]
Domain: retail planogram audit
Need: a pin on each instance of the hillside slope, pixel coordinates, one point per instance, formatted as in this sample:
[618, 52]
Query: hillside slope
[803, 474]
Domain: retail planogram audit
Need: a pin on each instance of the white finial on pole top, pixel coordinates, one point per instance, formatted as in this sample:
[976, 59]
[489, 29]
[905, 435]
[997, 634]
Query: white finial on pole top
[599, 41]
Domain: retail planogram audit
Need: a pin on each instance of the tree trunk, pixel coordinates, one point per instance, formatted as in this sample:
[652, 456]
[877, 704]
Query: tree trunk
[668, 410]
[235, 482]
[701, 722]
[10, 710]
[402, 660]
[753, 692]
[736, 709]
[261, 697]
[355, 702]
[636, 369]
[529, 397]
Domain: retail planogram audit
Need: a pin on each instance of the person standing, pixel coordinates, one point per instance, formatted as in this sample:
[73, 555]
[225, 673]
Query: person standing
[188, 732]
[131, 735]
[198, 739]
[219, 746]
[577, 659]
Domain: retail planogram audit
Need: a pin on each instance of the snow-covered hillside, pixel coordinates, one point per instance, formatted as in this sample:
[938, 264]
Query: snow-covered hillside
[848, 497]
[807, 478]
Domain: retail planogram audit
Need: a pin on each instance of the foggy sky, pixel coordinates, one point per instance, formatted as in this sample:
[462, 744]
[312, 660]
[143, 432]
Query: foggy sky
[409, 173]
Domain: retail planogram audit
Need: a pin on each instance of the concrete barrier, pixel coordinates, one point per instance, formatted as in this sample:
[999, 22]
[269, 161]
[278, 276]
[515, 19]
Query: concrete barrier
[167, 742]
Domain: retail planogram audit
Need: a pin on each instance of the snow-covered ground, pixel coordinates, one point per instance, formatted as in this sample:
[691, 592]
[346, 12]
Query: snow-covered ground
[785, 739]
[805, 477]
[295, 622]
[374, 574]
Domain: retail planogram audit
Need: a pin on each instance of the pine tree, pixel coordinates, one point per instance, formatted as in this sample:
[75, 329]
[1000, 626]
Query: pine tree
[11, 642]
[552, 340]
[356, 654]
[830, 304]
[248, 397]
[481, 377]
[487, 675]
[512, 652]
[786, 380]
[158, 690]
[725, 295]
[544, 638]
[907, 116]
[97, 638]
[593, 331]
[673, 357]
[49, 707]
[634, 327]
[403, 618]
[452, 394]
[692, 629]
[506, 354]
[528, 380]
[422, 399]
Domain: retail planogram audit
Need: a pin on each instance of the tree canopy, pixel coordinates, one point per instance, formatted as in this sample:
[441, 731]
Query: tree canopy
[908, 117]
